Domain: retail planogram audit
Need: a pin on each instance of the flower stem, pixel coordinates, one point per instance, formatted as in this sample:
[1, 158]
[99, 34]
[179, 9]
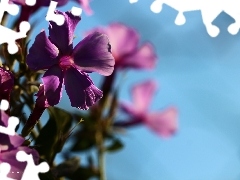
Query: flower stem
[106, 88]
[101, 155]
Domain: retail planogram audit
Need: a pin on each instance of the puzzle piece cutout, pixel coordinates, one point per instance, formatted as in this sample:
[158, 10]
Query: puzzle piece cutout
[59, 18]
[31, 171]
[209, 10]
[12, 121]
[12, 9]
[30, 2]
[4, 170]
[133, 1]
[11, 36]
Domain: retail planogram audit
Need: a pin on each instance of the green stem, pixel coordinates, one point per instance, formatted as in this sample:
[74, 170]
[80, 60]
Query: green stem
[106, 88]
[101, 154]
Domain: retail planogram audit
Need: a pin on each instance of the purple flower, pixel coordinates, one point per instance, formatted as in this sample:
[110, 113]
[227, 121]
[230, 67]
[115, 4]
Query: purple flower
[164, 123]
[6, 83]
[69, 65]
[9, 146]
[125, 47]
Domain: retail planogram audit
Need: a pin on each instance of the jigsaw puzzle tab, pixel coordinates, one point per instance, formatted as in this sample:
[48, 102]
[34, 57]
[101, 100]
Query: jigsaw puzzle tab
[59, 18]
[5, 6]
[209, 10]
[11, 36]
[12, 121]
[4, 170]
[31, 171]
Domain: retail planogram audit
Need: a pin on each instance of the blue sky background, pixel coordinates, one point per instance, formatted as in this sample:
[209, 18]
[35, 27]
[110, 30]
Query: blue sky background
[198, 74]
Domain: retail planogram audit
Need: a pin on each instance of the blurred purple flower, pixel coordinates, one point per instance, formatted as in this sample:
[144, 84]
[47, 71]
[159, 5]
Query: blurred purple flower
[9, 146]
[69, 65]
[6, 83]
[163, 123]
[125, 47]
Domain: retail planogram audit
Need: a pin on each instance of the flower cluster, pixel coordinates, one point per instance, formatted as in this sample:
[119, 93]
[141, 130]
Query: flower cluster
[53, 62]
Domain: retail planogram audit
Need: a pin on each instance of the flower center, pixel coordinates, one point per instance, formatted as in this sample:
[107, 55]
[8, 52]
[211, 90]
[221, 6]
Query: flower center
[66, 62]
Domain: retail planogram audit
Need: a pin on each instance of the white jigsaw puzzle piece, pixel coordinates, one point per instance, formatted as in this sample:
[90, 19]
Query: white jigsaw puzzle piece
[133, 1]
[5, 6]
[4, 170]
[11, 36]
[30, 2]
[12, 124]
[31, 171]
[209, 10]
[12, 121]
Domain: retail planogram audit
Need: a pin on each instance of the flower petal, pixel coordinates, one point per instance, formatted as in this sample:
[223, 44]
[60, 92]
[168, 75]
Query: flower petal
[53, 80]
[143, 58]
[93, 53]
[62, 36]
[163, 123]
[142, 95]
[123, 39]
[42, 54]
[131, 110]
[80, 89]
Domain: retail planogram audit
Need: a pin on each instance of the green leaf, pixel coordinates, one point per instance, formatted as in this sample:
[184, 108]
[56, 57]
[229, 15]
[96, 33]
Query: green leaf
[51, 138]
[115, 146]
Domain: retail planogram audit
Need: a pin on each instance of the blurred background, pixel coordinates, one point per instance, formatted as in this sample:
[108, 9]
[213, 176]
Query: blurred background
[196, 73]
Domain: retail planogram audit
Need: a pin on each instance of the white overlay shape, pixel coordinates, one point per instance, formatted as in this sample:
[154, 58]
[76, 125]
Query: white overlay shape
[31, 171]
[209, 10]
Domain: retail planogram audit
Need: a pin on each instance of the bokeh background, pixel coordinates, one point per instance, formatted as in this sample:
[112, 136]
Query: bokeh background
[198, 74]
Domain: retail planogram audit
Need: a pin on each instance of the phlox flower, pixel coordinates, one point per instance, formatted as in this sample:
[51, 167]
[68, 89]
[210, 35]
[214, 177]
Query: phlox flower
[164, 123]
[68, 65]
[126, 49]
[9, 146]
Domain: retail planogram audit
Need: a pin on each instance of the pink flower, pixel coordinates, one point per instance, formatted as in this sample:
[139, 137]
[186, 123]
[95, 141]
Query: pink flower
[126, 49]
[164, 123]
